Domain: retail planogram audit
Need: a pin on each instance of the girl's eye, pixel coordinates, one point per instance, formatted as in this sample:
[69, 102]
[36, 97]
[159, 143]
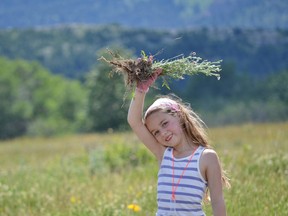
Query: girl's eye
[164, 124]
[156, 133]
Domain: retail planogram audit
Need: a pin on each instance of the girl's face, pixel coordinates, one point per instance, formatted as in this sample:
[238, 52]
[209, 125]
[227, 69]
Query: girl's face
[165, 128]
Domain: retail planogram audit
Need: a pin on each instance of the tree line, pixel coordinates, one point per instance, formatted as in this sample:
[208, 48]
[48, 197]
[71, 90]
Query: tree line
[34, 101]
[71, 50]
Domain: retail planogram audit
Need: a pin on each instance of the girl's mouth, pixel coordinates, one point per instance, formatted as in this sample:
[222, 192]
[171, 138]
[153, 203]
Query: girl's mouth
[167, 139]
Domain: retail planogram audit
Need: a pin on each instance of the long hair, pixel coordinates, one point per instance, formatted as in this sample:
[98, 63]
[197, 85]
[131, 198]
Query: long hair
[193, 126]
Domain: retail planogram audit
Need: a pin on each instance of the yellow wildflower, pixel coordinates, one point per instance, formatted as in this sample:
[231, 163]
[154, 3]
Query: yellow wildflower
[134, 207]
[74, 200]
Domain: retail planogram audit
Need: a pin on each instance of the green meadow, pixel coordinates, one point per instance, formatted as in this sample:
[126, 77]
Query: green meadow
[113, 174]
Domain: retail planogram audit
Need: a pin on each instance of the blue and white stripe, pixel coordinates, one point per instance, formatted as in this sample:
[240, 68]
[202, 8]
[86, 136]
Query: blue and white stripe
[189, 192]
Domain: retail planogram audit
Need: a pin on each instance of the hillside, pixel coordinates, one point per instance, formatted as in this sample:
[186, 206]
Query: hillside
[174, 14]
[72, 51]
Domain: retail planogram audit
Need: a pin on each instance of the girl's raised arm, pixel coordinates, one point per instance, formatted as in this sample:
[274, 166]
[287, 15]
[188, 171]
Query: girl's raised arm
[136, 123]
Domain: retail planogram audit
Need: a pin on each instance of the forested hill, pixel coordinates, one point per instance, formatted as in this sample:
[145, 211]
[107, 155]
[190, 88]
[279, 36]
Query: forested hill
[72, 51]
[264, 14]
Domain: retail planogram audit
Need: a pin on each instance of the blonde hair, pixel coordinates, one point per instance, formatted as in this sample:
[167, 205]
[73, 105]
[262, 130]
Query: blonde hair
[193, 126]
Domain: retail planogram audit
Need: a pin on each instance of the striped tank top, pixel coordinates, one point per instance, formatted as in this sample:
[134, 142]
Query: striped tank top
[190, 190]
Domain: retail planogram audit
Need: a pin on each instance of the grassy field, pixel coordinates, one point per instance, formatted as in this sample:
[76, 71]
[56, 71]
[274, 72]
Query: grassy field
[113, 174]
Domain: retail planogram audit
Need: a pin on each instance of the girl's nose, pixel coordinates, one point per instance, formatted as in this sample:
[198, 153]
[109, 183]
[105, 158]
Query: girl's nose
[163, 133]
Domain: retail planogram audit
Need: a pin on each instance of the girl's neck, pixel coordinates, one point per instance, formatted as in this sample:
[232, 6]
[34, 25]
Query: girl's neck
[184, 151]
[185, 148]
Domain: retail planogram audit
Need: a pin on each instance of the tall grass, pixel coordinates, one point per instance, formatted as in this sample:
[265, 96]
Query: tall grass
[103, 174]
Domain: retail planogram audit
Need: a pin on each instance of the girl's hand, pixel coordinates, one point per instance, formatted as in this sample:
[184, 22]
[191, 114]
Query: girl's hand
[144, 85]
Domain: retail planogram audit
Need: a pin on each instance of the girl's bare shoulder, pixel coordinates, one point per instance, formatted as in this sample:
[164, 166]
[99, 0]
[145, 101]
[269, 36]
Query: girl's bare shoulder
[209, 157]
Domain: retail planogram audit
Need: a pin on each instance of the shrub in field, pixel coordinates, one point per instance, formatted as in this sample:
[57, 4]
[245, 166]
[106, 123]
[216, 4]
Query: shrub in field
[116, 158]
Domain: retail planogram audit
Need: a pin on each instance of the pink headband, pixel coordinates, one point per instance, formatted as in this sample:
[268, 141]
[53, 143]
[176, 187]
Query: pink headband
[162, 103]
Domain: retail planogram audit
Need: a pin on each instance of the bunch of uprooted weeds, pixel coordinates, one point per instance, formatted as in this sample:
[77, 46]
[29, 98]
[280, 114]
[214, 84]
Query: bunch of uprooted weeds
[138, 70]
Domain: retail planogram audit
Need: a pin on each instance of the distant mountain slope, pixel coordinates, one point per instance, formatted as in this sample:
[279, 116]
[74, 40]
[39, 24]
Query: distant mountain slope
[174, 14]
[71, 51]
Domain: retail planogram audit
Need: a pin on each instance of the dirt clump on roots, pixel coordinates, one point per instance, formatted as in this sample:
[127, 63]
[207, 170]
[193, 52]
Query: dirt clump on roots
[134, 71]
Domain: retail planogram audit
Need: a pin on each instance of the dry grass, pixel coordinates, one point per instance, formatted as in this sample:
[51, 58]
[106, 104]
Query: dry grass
[103, 174]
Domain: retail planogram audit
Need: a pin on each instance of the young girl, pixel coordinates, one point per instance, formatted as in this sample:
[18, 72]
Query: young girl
[188, 166]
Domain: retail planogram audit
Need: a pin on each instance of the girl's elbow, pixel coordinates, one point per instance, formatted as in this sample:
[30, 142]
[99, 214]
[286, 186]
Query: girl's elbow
[219, 207]
[131, 122]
